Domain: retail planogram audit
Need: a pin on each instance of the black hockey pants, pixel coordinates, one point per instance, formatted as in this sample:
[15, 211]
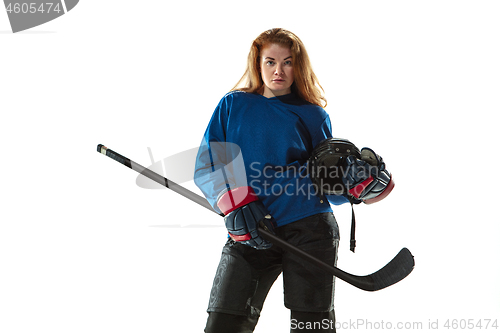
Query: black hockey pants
[245, 275]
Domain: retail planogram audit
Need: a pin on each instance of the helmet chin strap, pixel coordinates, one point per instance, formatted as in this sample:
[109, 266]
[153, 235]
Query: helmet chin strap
[329, 155]
[353, 227]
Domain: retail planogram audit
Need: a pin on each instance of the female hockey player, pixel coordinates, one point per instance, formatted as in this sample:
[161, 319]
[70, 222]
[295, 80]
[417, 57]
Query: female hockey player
[252, 167]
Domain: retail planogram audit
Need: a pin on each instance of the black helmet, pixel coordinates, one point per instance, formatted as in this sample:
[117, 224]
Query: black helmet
[327, 164]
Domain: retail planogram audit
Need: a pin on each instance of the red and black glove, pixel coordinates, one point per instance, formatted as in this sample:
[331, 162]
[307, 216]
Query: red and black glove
[367, 180]
[244, 212]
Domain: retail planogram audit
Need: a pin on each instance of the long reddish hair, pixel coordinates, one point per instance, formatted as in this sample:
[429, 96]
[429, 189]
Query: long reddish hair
[305, 84]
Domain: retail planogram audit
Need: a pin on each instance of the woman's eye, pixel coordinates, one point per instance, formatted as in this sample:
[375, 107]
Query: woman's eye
[288, 62]
[270, 62]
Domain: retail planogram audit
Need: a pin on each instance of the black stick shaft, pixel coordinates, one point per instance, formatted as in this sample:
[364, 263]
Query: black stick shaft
[393, 272]
[155, 177]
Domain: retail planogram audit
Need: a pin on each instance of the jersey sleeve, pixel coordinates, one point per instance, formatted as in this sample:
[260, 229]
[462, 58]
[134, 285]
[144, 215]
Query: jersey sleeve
[218, 159]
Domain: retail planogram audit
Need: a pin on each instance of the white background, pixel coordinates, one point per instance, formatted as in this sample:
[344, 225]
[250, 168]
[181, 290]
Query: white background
[84, 249]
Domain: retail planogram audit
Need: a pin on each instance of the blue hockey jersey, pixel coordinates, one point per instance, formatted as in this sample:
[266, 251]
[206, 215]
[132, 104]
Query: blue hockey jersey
[252, 140]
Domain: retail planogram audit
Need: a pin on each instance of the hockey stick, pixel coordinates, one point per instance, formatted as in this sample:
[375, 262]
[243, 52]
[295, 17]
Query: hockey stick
[396, 270]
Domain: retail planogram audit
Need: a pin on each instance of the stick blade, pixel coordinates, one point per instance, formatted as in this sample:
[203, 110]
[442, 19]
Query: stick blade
[396, 270]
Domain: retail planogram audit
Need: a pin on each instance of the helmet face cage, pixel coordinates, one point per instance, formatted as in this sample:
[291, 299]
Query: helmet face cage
[328, 165]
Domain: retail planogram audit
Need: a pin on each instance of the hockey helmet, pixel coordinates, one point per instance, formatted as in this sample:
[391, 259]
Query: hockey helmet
[327, 164]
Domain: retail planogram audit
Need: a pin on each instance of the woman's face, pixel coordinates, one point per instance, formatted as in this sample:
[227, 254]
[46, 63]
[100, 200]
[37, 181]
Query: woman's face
[276, 70]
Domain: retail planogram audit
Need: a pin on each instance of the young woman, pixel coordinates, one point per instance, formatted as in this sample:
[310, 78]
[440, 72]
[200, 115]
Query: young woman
[251, 166]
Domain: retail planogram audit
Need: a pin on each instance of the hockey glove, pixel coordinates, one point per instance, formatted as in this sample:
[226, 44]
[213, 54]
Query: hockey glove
[244, 212]
[367, 180]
